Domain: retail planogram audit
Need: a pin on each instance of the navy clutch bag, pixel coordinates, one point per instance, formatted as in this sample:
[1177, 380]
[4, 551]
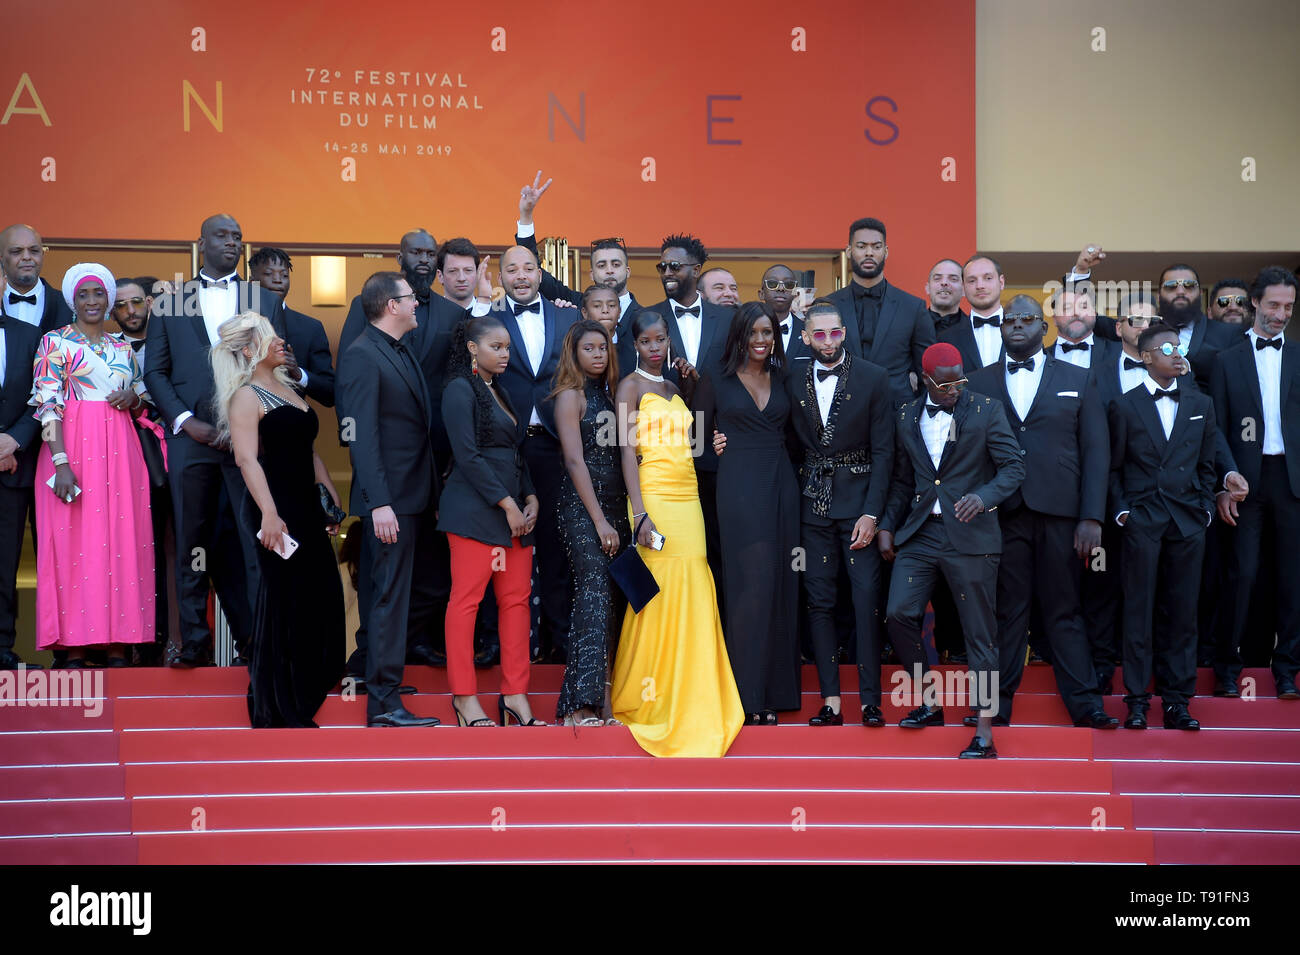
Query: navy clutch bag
[633, 576]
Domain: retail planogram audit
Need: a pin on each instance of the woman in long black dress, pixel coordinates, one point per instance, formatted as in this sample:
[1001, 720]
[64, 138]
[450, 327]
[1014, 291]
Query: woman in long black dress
[593, 515]
[297, 643]
[758, 513]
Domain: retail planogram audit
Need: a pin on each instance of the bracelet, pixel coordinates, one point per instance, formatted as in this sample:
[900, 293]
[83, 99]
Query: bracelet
[59, 458]
[642, 514]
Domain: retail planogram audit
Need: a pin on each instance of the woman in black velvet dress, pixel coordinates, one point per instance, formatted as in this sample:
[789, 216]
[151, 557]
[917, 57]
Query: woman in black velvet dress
[758, 513]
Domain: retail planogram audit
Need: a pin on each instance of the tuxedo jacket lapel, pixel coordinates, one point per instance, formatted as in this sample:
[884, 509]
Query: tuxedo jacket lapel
[954, 430]
[1146, 409]
[1044, 383]
[415, 384]
[885, 317]
[675, 333]
[1180, 425]
[516, 339]
[912, 433]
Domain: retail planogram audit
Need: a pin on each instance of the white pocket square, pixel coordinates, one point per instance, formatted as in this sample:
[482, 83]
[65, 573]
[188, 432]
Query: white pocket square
[1196, 417]
[1067, 394]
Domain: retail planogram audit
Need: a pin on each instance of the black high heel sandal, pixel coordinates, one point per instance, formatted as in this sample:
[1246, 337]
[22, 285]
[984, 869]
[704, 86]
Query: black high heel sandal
[504, 711]
[461, 721]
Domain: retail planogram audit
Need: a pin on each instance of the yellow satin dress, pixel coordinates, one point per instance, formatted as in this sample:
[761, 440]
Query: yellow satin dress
[672, 682]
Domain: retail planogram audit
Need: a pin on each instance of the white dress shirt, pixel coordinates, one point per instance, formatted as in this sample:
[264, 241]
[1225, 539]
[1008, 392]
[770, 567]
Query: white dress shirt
[1081, 357]
[787, 335]
[1166, 409]
[532, 328]
[988, 339]
[825, 389]
[4, 357]
[691, 327]
[24, 311]
[1129, 378]
[218, 305]
[935, 431]
[1022, 384]
[1268, 366]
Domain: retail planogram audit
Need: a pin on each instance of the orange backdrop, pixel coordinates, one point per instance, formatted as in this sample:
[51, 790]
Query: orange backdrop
[755, 125]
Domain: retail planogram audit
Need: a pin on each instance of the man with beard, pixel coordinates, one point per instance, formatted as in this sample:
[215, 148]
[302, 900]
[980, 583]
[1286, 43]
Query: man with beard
[977, 336]
[28, 297]
[302, 334]
[463, 274]
[1230, 302]
[943, 291]
[719, 287]
[1076, 319]
[884, 324]
[777, 289]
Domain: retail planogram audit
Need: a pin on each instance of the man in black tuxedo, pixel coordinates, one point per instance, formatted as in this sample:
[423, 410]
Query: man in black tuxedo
[1075, 316]
[537, 329]
[1053, 522]
[842, 418]
[20, 439]
[307, 347]
[183, 328]
[396, 486]
[955, 461]
[28, 297]
[884, 324]
[1162, 478]
[1258, 406]
[943, 292]
[977, 336]
[1229, 303]
[777, 289]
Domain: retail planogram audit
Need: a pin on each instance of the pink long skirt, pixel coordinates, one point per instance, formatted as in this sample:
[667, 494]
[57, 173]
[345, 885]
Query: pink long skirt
[95, 556]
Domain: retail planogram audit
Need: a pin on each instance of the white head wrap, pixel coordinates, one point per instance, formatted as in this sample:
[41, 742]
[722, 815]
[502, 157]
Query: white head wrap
[87, 270]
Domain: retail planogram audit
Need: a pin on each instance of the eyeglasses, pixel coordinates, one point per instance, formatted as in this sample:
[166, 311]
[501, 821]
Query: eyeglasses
[1168, 348]
[1138, 321]
[672, 266]
[948, 387]
[398, 298]
[1185, 283]
[835, 334]
[1223, 301]
[780, 285]
[133, 300]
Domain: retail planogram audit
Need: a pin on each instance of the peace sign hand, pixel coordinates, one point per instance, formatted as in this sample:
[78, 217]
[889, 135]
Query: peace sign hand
[529, 195]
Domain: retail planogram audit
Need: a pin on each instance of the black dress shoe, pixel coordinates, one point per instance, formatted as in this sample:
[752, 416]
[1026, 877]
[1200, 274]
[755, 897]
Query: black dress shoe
[401, 717]
[1227, 687]
[1098, 720]
[77, 664]
[923, 716]
[978, 749]
[239, 661]
[958, 657]
[1137, 718]
[116, 662]
[974, 720]
[1177, 718]
[191, 655]
[1286, 690]
[425, 656]
[12, 661]
[491, 656]
[827, 717]
[1036, 659]
[871, 716]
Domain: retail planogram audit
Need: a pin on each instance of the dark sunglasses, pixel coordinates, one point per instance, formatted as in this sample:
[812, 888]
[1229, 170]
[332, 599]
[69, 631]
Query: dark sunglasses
[780, 285]
[133, 300]
[1185, 283]
[1223, 301]
[614, 240]
[835, 334]
[672, 266]
[1138, 321]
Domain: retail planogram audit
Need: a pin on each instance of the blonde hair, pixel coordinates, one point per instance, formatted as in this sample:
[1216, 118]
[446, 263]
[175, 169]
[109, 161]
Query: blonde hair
[231, 368]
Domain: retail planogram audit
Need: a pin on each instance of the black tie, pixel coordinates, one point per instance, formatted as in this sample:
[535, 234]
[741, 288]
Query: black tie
[678, 311]
[213, 283]
[1171, 394]
[785, 329]
[137, 344]
[995, 321]
[1130, 364]
[824, 373]
[15, 298]
[520, 309]
[1260, 343]
[933, 410]
[1077, 346]
[1015, 366]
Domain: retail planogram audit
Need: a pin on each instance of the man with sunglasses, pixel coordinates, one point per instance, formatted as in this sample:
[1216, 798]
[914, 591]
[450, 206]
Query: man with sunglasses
[883, 324]
[1052, 523]
[1162, 480]
[955, 462]
[1255, 397]
[777, 289]
[1230, 302]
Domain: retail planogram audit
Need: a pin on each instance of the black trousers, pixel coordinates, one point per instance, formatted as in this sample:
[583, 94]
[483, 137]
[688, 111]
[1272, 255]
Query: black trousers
[1270, 504]
[973, 579]
[826, 549]
[707, 483]
[197, 474]
[947, 622]
[392, 570]
[550, 561]
[1039, 566]
[17, 504]
[429, 589]
[1102, 596]
[1155, 564]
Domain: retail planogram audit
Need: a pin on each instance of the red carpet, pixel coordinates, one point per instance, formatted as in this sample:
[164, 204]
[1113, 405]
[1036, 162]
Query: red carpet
[170, 773]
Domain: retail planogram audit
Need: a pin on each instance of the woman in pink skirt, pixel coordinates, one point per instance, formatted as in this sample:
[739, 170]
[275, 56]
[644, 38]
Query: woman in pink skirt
[94, 553]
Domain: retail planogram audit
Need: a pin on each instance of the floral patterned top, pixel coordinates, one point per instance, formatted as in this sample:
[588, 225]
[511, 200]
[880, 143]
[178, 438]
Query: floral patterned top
[68, 365]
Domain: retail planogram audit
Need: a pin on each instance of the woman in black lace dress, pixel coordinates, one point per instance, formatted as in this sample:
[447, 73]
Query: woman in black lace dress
[297, 642]
[592, 516]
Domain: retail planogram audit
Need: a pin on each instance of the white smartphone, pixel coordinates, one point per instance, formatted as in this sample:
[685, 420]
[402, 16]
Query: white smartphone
[75, 489]
[657, 540]
[288, 544]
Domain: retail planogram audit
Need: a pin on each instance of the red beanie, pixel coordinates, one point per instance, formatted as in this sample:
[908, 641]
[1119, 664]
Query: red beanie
[942, 355]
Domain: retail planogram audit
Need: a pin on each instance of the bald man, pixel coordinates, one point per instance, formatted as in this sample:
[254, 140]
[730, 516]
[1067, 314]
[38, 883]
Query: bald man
[28, 297]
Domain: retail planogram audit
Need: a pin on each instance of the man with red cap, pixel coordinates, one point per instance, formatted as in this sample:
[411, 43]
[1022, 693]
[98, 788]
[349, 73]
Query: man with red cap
[955, 461]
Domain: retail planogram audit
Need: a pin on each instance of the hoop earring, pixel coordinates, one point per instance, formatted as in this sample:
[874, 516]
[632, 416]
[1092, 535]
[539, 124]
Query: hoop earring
[473, 364]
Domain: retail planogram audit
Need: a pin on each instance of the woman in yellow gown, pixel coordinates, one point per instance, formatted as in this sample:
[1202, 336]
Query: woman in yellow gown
[672, 682]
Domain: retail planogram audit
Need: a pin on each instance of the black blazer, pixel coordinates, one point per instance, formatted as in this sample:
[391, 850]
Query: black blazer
[961, 334]
[16, 415]
[904, 330]
[525, 388]
[980, 457]
[1208, 339]
[392, 451]
[311, 347]
[1160, 481]
[1064, 441]
[863, 414]
[178, 370]
[1106, 380]
[54, 313]
[1239, 404]
[798, 354]
[482, 474]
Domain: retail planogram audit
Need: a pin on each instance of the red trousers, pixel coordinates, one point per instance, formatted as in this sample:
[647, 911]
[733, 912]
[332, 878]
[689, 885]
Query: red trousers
[510, 569]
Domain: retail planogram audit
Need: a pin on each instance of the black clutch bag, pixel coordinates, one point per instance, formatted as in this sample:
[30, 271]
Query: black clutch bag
[633, 576]
[151, 449]
[333, 513]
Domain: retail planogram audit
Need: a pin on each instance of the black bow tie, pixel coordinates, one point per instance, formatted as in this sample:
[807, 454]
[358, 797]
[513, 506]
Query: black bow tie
[876, 291]
[995, 321]
[15, 298]
[824, 373]
[1015, 366]
[678, 311]
[137, 344]
[1260, 343]
[533, 307]
[1069, 347]
[214, 283]
[933, 410]
[1172, 394]
[785, 329]
[1130, 364]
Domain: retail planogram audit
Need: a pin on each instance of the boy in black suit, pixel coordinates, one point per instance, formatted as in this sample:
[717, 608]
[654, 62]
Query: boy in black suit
[1162, 470]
